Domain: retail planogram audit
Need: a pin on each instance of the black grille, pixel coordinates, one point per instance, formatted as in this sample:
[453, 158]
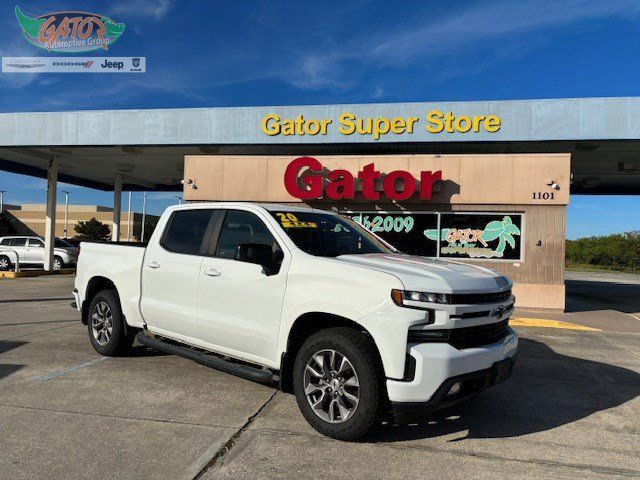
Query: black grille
[470, 337]
[466, 337]
[471, 298]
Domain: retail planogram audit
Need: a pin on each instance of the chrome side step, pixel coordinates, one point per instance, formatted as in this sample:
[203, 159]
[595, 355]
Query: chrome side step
[240, 370]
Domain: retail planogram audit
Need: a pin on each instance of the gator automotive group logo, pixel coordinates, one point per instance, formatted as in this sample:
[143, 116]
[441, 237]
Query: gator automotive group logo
[70, 31]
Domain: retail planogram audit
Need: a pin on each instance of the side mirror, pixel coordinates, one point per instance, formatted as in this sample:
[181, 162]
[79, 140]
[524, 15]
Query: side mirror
[259, 253]
[278, 257]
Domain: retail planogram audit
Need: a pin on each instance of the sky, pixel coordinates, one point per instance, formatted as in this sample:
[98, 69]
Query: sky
[209, 54]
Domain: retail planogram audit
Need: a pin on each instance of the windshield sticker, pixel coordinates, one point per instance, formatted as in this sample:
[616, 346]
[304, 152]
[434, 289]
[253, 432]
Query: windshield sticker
[289, 220]
[340, 228]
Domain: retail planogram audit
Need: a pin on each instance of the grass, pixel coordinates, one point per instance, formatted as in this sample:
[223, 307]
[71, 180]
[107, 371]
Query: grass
[572, 267]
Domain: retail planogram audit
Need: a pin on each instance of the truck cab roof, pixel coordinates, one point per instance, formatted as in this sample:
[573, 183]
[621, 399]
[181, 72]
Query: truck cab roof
[271, 207]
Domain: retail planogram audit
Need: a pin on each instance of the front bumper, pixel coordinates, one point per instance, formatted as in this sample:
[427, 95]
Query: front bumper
[439, 364]
[471, 384]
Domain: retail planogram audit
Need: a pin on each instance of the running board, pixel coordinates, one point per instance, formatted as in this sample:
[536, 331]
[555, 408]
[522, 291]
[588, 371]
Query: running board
[240, 370]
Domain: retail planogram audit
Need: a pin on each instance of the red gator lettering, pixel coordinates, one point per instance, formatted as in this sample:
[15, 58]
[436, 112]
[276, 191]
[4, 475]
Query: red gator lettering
[304, 179]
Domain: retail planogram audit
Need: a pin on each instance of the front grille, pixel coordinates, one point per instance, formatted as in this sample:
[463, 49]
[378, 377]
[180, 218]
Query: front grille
[470, 337]
[466, 337]
[471, 298]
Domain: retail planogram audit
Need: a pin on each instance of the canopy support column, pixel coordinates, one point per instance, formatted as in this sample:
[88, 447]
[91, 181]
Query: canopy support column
[50, 219]
[117, 207]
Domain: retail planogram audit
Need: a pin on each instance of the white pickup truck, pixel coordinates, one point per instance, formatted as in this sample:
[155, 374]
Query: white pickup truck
[306, 298]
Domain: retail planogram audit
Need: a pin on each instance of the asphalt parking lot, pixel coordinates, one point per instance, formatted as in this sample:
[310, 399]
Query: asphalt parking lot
[571, 408]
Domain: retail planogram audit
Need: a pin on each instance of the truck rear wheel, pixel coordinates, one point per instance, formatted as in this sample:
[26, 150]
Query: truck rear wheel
[106, 325]
[337, 382]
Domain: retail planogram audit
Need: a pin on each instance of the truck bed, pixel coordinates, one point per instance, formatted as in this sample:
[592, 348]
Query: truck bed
[122, 263]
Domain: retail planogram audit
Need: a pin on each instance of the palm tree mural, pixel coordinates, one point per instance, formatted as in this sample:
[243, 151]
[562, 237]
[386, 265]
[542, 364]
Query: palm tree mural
[503, 231]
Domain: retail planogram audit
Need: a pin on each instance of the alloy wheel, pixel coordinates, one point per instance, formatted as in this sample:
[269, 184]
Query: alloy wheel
[102, 323]
[331, 386]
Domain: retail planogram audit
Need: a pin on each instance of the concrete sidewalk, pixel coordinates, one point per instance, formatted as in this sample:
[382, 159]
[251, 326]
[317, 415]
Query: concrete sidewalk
[607, 301]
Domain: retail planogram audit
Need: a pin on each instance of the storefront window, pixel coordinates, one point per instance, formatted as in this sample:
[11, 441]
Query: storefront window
[405, 231]
[486, 236]
[491, 236]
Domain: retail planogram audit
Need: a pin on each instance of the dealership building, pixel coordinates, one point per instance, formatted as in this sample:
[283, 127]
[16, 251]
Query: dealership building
[481, 182]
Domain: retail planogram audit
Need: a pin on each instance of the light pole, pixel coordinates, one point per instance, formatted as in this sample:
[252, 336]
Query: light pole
[144, 214]
[66, 210]
[179, 199]
[2, 192]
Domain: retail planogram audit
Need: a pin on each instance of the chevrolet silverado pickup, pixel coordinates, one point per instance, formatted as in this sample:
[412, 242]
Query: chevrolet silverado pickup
[308, 300]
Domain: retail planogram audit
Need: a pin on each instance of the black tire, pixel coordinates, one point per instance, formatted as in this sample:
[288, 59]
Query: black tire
[118, 342]
[361, 352]
[5, 263]
[58, 263]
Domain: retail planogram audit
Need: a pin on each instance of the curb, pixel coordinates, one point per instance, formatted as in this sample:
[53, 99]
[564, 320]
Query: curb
[37, 273]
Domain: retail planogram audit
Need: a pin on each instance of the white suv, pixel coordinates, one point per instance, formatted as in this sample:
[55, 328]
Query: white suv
[30, 251]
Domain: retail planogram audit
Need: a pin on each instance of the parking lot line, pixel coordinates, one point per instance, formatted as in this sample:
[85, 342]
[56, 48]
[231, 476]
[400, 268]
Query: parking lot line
[60, 373]
[547, 323]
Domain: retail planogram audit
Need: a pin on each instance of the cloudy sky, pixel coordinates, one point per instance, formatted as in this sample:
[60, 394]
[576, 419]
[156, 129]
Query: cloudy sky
[276, 53]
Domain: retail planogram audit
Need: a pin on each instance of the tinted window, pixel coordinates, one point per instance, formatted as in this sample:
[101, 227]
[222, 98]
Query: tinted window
[19, 242]
[326, 235]
[34, 242]
[62, 243]
[186, 231]
[242, 227]
[5, 241]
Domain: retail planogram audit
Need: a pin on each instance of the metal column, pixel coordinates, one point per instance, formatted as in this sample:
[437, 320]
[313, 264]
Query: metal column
[129, 219]
[50, 219]
[117, 207]
[144, 214]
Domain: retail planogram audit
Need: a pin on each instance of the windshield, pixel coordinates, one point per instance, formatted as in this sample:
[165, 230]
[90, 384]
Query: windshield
[326, 235]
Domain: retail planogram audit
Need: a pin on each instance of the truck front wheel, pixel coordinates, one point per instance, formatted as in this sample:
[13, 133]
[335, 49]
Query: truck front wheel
[337, 382]
[106, 326]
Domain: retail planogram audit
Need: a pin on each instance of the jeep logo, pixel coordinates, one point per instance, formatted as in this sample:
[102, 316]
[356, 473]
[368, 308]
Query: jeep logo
[116, 65]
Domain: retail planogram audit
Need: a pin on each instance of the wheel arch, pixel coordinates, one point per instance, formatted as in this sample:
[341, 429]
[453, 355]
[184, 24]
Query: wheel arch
[306, 325]
[96, 284]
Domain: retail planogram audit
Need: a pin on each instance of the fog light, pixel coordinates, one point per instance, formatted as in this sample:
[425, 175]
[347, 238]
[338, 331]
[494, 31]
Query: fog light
[455, 388]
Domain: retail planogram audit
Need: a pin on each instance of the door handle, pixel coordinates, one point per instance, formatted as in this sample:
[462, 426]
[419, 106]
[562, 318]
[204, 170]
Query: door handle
[212, 272]
[153, 265]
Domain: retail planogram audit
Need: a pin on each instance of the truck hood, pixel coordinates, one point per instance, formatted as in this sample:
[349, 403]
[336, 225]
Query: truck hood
[431, 275]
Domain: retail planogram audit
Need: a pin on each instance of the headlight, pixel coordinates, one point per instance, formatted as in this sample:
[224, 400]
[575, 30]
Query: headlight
[408, 298]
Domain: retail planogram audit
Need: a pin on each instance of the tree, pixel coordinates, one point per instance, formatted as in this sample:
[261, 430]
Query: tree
[618, 251]
[6, 225]
[92, 230]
